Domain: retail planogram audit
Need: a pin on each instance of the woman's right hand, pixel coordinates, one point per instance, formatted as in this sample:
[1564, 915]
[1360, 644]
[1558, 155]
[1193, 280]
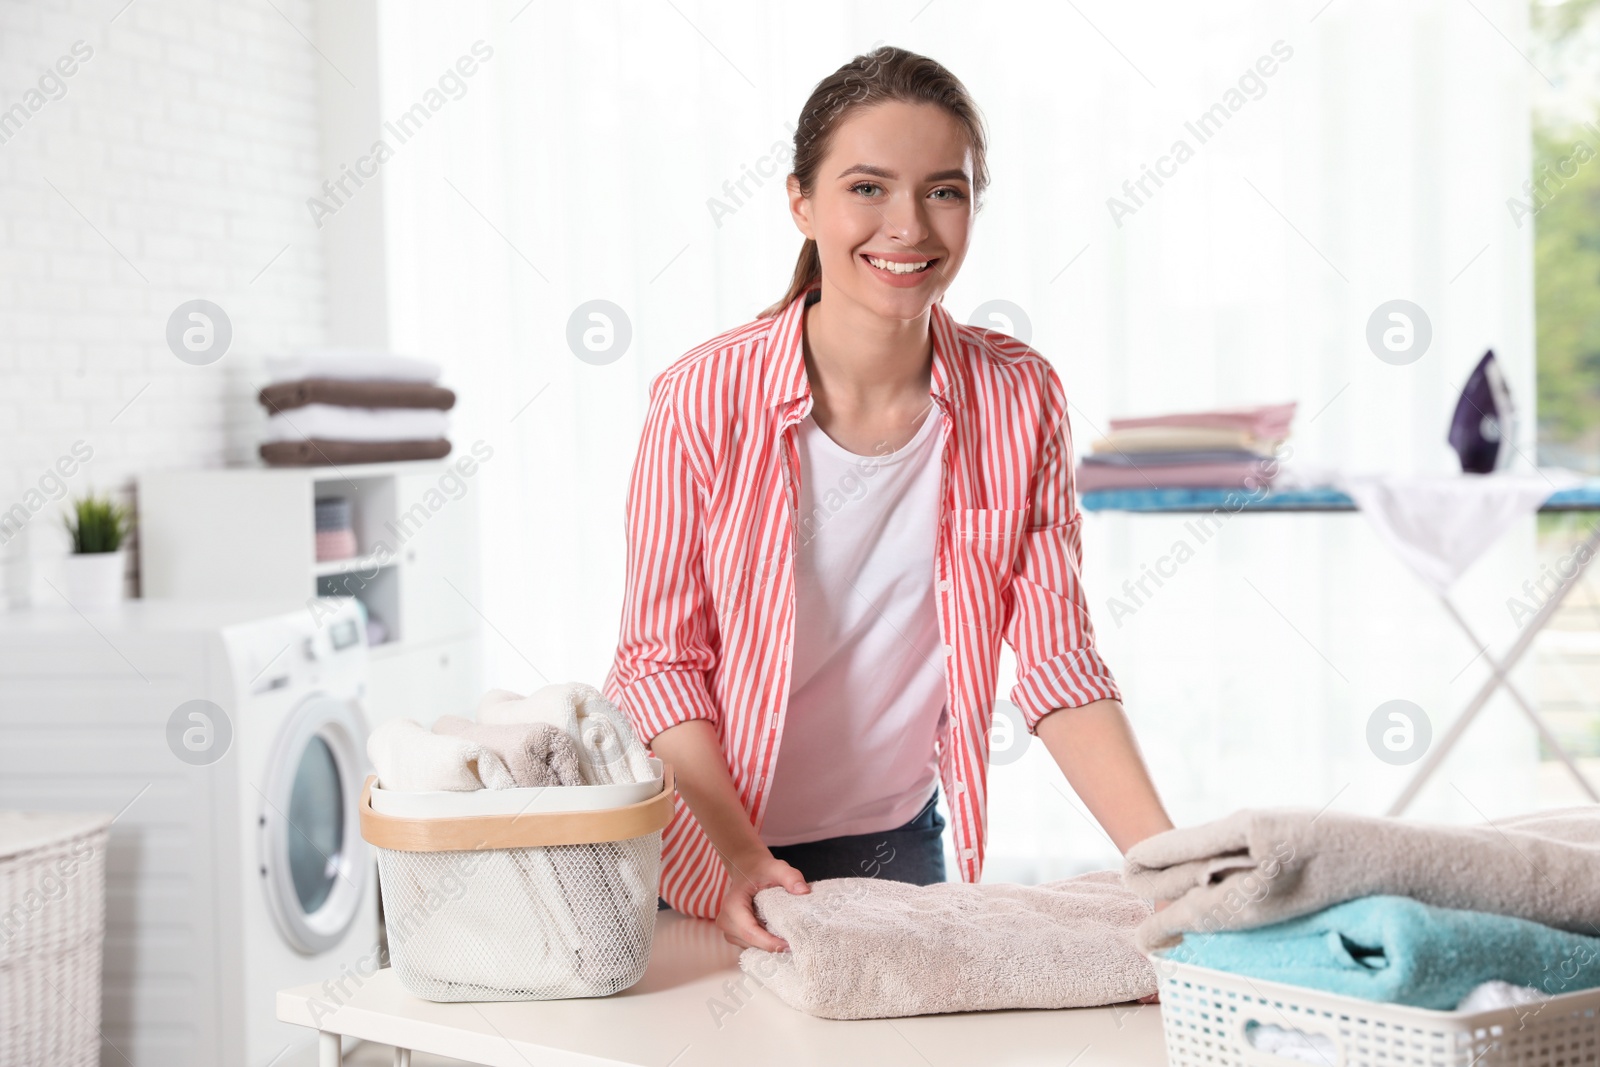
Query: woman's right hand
[737, 920]
[694, 748]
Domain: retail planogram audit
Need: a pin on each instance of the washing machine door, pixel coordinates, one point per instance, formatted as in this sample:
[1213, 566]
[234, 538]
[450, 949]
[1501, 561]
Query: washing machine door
[313, 860]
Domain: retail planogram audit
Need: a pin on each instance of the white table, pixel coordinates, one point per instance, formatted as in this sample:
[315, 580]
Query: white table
[667, 1018]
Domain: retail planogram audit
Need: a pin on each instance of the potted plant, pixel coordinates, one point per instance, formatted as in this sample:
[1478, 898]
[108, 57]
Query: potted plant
[92, 575]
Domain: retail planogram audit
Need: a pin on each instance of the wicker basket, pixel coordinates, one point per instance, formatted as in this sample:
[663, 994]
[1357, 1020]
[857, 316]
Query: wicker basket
[52, 932]
[1208, 1016]
[533, 906]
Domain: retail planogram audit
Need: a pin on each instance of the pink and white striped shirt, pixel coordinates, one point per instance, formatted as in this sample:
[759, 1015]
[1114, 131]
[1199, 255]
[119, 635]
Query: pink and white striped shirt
[709, 599]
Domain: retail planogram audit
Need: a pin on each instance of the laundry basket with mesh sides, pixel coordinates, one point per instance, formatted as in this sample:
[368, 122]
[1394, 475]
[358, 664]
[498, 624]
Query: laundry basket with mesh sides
[52, 933]
[525, 904]
[1220, 1019]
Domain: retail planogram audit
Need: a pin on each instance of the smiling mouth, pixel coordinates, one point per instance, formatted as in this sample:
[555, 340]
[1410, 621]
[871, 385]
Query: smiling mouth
[891, 267]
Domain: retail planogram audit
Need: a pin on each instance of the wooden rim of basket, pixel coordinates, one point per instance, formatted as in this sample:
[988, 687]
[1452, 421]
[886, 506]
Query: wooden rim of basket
[534, 828]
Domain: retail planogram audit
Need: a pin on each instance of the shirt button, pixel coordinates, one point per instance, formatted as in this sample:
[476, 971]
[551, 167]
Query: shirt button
[944, 585]
[961, 787]
[968, 853]
[949, 650]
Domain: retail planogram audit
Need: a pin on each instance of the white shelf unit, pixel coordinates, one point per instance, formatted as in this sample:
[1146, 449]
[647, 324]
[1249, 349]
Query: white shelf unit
[250, 533]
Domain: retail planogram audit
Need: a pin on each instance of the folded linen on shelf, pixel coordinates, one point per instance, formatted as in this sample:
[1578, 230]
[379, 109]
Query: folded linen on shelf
[356, 363]
[350, 393]
[322, 451]
[869, 948]
[330, 422]
[407, 756]
[608, 749]
[1261, 866]
[1397, 950]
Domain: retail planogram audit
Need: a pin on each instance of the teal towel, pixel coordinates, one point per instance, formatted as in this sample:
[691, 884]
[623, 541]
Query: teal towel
[1401, 951]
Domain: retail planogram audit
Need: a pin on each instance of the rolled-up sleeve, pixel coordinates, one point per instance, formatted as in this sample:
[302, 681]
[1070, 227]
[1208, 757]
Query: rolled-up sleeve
[667, 640]
[1058, 665]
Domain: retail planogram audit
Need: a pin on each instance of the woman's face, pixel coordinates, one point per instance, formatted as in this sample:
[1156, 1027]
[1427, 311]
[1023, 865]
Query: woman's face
[895, 184]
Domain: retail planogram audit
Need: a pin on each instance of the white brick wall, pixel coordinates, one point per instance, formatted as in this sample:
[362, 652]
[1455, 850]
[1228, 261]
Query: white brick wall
[189, 141]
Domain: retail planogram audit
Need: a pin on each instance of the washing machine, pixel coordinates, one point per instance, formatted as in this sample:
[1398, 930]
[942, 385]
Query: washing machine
[230, 741]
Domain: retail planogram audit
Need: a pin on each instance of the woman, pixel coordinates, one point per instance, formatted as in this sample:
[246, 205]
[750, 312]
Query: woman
[836, 513]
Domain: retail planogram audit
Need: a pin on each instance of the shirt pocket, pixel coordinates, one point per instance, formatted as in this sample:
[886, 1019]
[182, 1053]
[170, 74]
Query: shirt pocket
[985, 542]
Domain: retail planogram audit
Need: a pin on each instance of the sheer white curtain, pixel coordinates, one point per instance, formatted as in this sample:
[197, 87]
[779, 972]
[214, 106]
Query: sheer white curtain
[1356, 152]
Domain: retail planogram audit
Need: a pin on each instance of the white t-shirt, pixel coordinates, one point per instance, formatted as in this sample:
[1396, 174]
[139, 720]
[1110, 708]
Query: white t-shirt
[867, 697]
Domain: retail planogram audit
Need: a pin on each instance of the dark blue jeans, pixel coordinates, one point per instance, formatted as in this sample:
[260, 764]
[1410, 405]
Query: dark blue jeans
[911, 853]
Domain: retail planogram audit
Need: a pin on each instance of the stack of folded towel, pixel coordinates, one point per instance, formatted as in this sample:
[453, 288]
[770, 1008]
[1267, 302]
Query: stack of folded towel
[1228, 449]
[1385, 910]
[336, 533]
[330, 406]
[564, 734]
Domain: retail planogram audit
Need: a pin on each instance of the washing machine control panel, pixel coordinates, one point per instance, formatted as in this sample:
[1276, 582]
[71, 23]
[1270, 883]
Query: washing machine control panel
[343, 634]
[292, 650]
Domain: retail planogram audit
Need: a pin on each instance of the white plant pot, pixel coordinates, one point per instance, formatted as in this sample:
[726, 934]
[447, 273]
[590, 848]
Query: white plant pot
[93, 579]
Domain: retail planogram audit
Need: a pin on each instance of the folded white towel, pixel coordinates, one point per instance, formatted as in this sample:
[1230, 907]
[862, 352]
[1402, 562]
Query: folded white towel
[356, 363]
[1292, 1044]
[406, 755]
[608, 749]
[1492, 995]
[338, 423]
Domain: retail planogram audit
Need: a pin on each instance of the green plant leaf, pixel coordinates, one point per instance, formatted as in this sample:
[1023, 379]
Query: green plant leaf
[97, 524]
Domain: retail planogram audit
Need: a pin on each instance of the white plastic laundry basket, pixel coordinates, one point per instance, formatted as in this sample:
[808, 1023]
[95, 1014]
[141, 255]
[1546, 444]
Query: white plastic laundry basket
[531, 905]
[52, 931]
[1208, 1017]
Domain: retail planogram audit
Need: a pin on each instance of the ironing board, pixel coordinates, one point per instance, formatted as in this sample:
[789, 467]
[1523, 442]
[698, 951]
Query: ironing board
[1585, 497]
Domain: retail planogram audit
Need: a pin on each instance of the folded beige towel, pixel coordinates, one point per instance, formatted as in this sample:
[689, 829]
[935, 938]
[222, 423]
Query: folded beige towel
[608, 750]
[1257, 867]
[869, 948]
[535, 753]
[406, 756]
